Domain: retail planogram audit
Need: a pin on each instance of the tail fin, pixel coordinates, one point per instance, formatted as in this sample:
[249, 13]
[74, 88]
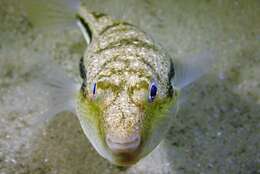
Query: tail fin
[52, 13]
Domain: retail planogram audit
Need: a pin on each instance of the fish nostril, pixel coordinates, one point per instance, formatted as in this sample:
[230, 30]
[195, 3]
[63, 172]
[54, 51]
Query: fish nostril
[123, 145]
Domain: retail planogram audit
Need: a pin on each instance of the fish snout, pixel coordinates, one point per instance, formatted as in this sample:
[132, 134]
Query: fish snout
[123, 145]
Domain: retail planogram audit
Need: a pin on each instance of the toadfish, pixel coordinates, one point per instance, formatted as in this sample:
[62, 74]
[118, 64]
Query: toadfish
[130, 88]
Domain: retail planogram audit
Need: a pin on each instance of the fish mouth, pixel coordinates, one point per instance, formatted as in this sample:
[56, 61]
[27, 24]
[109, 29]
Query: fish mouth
[128, 145]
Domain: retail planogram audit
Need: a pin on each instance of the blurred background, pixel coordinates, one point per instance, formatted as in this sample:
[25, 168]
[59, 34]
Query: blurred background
[217, 130]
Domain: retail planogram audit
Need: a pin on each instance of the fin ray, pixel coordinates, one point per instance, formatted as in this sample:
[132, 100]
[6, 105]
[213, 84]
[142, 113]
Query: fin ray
[60, 88]
[189, 69]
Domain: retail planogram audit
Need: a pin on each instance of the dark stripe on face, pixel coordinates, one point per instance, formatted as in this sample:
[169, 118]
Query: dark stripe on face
[127, 63]
[128, 42]
[142, 84]
[104, 85]
[139, 72]
[120, 30]
[137, 87]
[151, 67]
[114, 25]
[115, 58]
[97, 15]
[115, 89]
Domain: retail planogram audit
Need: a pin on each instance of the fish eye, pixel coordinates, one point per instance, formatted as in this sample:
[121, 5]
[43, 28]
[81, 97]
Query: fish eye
[94, 88]
[153, 91]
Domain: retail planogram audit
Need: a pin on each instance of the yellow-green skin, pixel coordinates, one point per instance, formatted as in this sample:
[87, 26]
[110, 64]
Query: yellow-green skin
[123, 62]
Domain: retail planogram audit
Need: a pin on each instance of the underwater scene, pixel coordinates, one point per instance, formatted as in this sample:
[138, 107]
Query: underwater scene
[129, 87]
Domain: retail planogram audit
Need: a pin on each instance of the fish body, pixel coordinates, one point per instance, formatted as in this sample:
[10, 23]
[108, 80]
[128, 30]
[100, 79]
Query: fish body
[130, 86]
[122, 62]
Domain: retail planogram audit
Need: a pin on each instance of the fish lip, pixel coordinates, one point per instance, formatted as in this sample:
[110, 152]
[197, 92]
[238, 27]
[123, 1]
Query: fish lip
[120, 146]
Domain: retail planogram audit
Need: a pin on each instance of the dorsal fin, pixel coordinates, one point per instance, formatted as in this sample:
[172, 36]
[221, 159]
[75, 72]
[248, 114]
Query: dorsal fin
[96, 21]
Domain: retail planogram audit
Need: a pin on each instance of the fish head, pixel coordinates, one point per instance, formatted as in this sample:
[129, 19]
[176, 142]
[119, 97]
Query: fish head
[125, 117]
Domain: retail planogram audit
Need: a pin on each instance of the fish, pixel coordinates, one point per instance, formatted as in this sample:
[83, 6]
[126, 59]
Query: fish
[130, 86]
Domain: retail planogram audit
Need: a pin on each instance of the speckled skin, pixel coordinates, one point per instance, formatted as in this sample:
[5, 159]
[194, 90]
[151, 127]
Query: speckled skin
[215, 132]
[123, 62]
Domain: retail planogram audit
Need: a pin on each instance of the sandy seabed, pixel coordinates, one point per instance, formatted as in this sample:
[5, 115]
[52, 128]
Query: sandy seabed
[216, 130]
